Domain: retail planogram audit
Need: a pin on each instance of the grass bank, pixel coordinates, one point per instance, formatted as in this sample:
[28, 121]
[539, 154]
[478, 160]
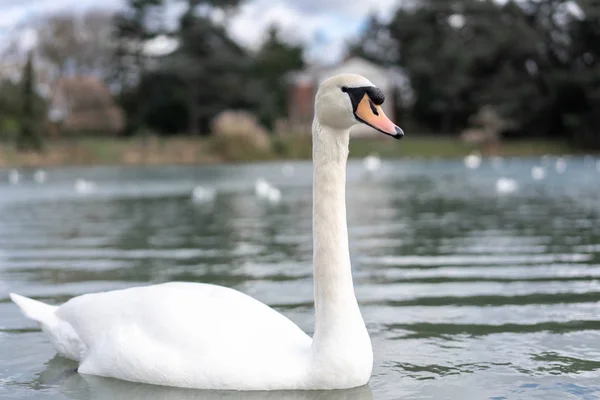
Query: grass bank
[203, 150]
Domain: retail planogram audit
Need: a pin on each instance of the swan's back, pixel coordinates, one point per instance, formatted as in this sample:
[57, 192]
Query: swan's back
[186, 334]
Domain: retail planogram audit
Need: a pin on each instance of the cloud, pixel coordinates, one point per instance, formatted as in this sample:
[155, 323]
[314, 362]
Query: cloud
[322, 25]
[10, 17]
[14, 12]
[12, 3]
[343, 8]
[252, 20]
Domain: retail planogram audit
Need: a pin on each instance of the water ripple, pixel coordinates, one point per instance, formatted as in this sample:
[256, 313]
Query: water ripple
[466, 294]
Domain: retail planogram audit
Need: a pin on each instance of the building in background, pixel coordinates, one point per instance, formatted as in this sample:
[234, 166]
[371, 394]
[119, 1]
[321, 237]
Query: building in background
[77, 104]
[84, 105]
[303, 86]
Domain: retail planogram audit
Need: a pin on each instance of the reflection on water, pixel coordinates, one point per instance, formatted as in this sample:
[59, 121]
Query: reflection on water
[466, 292]
[60, 374]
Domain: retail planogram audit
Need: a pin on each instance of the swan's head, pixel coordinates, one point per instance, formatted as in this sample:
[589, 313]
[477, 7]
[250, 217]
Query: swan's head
[349, 99]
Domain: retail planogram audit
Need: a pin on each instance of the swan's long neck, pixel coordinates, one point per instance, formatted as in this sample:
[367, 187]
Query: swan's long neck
[338, 322]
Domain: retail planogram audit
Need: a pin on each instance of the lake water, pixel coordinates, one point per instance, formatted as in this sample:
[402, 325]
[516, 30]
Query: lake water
[467, 293]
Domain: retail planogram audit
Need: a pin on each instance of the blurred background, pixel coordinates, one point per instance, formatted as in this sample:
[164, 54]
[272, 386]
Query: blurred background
[164, 81]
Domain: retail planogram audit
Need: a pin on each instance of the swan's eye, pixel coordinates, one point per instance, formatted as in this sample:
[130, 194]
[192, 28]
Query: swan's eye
[344, 89]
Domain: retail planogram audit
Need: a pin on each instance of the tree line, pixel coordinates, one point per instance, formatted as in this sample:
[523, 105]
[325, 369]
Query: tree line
[535, 62]
[208, 72]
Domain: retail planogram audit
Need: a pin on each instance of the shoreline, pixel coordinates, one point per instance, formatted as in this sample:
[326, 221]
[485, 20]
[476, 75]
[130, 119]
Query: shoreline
[185, 150]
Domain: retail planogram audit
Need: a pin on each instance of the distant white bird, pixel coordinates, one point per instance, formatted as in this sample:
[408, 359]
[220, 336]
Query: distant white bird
[84, 186]
[202, 194]
[561, 165]
[372, 162]
[545, 159]
[506, 185]
[288, 170]
[497, 162]
[266, 190]
[274, 195]
[39, 176]
[261, 187]
[472, 161]
[538, 173]
[14, 177]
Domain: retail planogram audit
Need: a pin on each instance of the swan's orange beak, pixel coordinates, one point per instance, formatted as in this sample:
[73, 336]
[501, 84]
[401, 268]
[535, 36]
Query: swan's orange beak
[371, 114]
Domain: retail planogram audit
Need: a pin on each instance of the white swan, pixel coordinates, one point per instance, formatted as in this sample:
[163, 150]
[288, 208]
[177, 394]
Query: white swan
[14, 177]
[288, 170]
[207, 336]
[39, 176]
[472, 161]
[506, 185]
[497, 162]
[83, 186]
[372, 163]
[538, 173]
[202, 194]
[561, 165]
[265, 190]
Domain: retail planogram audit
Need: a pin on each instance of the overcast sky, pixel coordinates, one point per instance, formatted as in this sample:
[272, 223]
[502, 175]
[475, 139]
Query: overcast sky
[322, 24]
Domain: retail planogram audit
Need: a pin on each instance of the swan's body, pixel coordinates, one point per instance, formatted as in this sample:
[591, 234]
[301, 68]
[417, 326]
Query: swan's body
[207, 336]
[179, 334]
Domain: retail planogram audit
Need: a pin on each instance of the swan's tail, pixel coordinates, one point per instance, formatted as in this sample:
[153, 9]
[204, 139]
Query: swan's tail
[42, 313]
[61, 334]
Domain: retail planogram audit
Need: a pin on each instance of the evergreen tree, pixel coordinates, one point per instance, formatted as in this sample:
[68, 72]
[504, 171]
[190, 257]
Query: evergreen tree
[140, 22]
[29, 137]
[536, 62]
[211, 64]
[272, 63]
